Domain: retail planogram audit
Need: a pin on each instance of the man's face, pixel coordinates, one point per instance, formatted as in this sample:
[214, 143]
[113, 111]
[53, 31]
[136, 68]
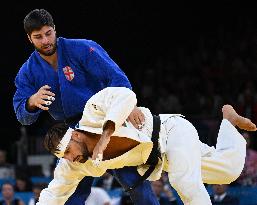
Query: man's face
[44, 40]
[21, 184]
[76, 150]
[219, 189]
[7, 191]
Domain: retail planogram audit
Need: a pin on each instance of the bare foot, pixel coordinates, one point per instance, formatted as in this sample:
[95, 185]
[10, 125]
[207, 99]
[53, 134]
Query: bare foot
[235, 119]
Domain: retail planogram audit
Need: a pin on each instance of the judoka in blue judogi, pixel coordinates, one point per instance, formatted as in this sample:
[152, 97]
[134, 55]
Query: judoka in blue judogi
[60, 76]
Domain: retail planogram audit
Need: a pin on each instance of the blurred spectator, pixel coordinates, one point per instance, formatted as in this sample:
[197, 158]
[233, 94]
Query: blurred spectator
[23, 184]
[107, 182]
[8, 196]
[6, 169]
[248, 176]
[221, 197]
[37, 188]
[163, 193]
[247, 104]
[167, 102]
[98, 196]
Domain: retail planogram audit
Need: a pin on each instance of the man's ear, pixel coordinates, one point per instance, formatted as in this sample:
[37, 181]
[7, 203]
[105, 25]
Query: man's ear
[76, 136]
[29, 38]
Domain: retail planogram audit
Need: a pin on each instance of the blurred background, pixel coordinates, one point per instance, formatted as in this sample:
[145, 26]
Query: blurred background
[181, 57]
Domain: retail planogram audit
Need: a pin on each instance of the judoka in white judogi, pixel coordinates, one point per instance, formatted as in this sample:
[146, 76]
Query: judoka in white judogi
[189, 162]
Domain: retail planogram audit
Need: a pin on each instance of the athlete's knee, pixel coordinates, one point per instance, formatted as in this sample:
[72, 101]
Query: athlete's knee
[189, 188]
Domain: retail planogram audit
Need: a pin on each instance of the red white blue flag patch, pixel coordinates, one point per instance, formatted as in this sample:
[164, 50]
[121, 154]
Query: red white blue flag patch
[68, 72]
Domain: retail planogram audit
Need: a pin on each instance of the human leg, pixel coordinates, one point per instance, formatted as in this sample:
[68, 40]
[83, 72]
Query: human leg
[82, 192]
[184, 159]
[224, 164]
[142, 194]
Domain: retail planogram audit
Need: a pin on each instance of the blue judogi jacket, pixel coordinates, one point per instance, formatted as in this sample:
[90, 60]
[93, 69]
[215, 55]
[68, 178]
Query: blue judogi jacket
[91, 70]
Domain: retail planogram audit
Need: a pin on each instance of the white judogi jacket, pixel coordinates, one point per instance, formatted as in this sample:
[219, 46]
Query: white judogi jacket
[115, 104]
[218, 166]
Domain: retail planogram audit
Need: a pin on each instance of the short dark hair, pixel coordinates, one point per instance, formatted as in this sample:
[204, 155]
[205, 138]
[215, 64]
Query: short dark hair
[54, 136]
[36, 19]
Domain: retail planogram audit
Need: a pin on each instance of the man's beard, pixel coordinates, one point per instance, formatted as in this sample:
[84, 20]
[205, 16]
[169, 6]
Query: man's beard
[47, 53]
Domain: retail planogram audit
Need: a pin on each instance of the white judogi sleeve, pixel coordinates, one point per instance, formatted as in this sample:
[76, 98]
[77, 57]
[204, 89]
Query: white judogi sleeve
[111, 103]
[67, 176]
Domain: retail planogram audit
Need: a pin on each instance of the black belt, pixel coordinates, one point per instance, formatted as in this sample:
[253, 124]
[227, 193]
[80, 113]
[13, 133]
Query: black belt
[155, 154]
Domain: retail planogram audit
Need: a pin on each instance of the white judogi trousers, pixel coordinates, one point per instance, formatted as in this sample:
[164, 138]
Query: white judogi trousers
[192, 163]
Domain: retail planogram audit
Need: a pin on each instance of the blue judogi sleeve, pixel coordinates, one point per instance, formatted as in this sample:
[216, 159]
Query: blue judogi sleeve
[25, 89]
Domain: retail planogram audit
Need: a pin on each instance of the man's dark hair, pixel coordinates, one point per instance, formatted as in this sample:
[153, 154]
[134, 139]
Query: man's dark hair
[36, 19]
[54, 136]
